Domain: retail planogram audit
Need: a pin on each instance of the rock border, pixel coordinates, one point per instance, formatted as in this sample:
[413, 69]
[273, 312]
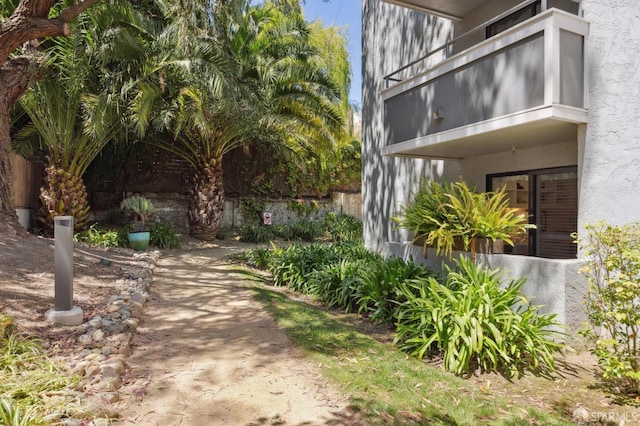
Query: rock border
[105, 341]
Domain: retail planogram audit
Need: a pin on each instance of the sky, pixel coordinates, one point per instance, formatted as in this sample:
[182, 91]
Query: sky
[346, 14]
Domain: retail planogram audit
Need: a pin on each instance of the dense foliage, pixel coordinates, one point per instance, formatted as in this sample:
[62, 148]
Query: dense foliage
[33, 389]
[336, 226]
[198, 80]
[613, 301]
[476, 321]
[163, 235]
[449, 212]
[473, 318]
[380, 293]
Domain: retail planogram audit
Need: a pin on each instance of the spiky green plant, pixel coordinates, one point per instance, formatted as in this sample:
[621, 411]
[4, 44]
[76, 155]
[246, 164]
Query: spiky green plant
[445, 213]
[140, 208]
[378, 286]
[477, 321]
[28, 380]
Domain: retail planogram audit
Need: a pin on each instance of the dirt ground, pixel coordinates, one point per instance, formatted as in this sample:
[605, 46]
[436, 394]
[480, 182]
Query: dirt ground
[207, 353]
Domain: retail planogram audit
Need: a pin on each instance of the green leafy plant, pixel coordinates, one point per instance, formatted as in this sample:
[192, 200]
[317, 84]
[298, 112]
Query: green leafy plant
[258, 257]
[342, 227]
[303, 208]
[446, 213]
[305, 230]
[252, 209]
[336, 284]
[256, 234]
[163, 235]
[476, 321]
[33, 389]
[14, 414]
[613, 301]
[140, 208]
[378, 289]
[424, 213]
[6, 325]
[98, 237]
[292, 266]
[123, 233]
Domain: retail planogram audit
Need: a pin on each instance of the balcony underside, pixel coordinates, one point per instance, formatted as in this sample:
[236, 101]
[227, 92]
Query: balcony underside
[540, 126]
[452, 9]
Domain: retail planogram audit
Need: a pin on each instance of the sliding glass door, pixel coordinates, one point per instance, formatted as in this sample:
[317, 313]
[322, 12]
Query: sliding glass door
[549, 199]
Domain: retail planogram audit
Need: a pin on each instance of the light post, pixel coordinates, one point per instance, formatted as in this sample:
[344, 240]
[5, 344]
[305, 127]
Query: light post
[63, 311]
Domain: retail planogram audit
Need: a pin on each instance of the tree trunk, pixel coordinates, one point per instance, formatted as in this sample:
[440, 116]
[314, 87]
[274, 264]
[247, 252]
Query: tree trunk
[28, 23]
[15, 76]
[206, 206]
[63, 195]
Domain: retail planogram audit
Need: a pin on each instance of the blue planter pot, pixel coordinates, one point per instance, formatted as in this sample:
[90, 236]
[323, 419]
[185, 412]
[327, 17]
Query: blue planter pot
[139, 240]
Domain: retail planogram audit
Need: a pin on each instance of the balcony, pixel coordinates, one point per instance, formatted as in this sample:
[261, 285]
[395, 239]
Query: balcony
[521, 88]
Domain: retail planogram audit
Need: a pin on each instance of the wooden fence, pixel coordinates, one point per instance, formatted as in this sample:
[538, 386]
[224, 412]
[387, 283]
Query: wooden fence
[27, 180]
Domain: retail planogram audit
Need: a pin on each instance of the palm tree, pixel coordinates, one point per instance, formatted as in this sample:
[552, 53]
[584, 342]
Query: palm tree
[74, 112]
[249, 80]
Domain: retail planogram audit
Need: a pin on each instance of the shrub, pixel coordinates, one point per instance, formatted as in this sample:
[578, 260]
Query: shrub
[97, 237]
[256, 234]
[140, 209]
[342, 227]
[613, 301]
[293, 266]
[14, 414]
[33, 389]
[123, 234]
[379, 284]
[305, 230]
[258, 257]
[476, 322]
[449, 212]
[163, 235]
[336, 284]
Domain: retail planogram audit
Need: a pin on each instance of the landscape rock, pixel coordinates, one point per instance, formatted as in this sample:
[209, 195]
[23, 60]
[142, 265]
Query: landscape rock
[105, 342]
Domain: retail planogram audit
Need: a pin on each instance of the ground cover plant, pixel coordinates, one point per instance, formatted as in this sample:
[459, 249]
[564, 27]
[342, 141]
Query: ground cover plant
[379, 294]
[476, 320]
[470, 317]
[163, 235]
[613, 302]
[333, 227]
[342, 227]
[33, 389]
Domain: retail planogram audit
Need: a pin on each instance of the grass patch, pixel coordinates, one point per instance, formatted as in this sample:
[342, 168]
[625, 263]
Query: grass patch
[385, 385]
[34, 390]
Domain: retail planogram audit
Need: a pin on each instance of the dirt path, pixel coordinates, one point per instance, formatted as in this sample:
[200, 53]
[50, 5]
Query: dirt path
[208, 354]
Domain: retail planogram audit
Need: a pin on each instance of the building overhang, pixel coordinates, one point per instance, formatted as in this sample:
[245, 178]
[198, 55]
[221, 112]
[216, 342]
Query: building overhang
[450, 9]
[544, 125]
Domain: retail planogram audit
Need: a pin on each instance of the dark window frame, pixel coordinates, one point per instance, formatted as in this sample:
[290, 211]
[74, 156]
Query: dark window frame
[518, 16]
[532, 202]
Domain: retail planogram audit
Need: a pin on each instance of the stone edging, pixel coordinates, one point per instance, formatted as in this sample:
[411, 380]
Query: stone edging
[106, 340]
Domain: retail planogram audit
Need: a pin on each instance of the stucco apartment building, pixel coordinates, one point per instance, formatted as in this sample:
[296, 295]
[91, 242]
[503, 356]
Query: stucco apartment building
[540, 96]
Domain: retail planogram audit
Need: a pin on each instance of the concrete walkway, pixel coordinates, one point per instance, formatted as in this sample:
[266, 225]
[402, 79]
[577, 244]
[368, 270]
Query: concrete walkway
[208, 354]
